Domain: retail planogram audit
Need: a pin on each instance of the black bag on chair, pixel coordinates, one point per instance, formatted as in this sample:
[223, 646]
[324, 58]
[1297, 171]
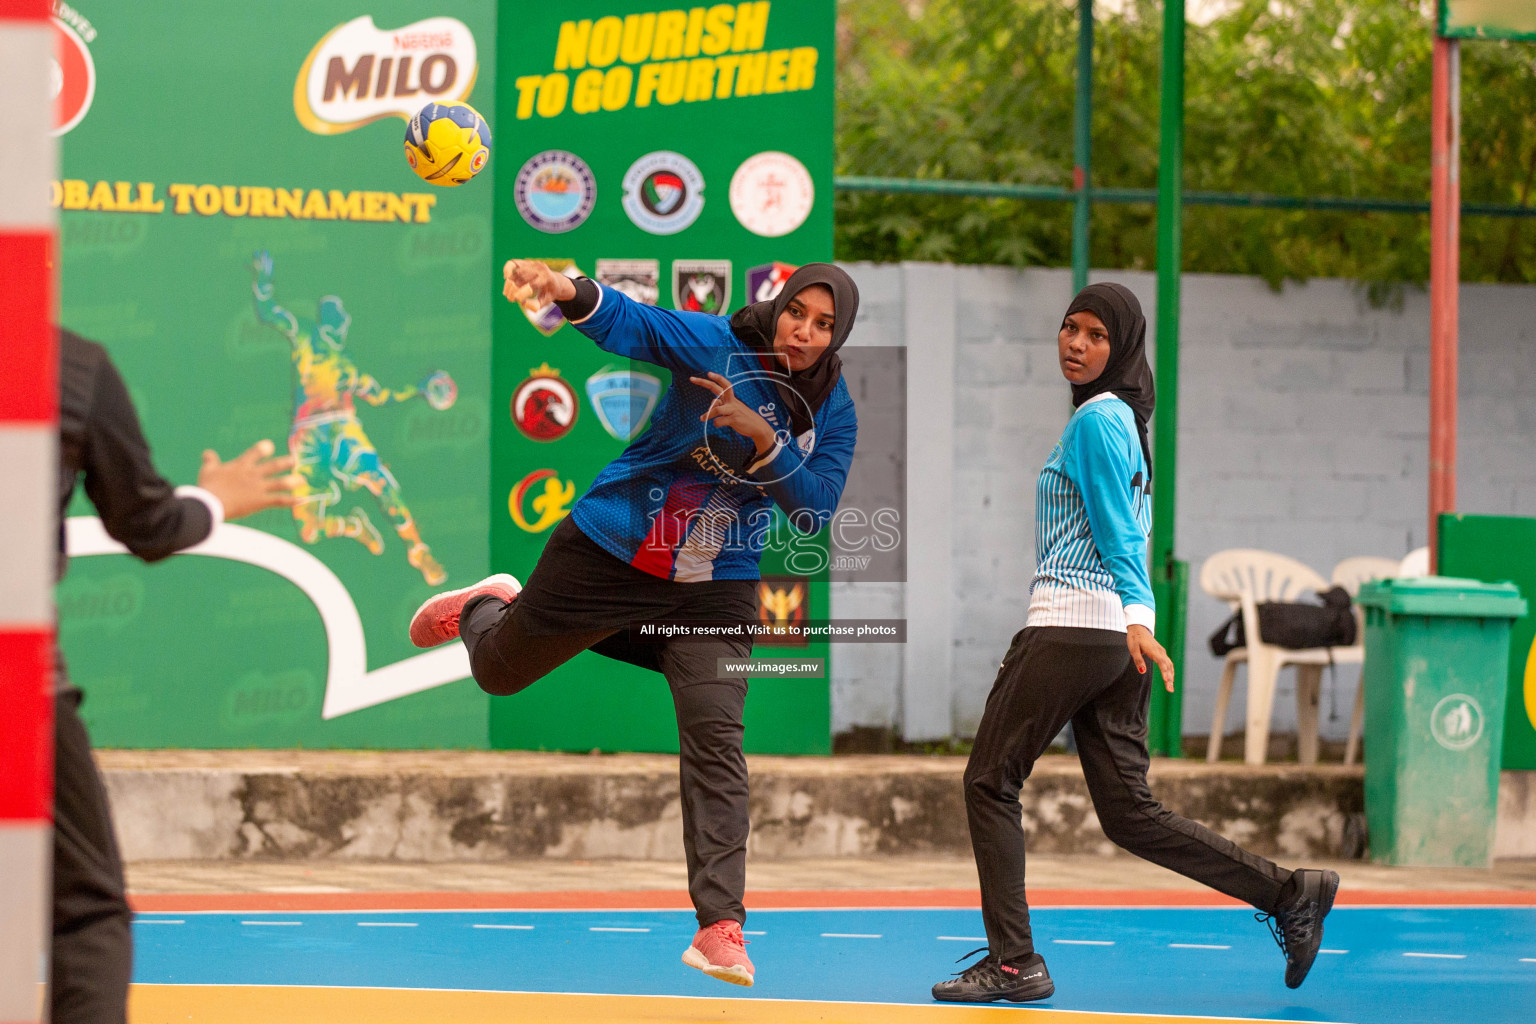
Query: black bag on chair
[1297, 625]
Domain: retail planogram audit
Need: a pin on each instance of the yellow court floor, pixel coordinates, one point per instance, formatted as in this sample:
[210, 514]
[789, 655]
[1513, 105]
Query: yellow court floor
[258, 1004]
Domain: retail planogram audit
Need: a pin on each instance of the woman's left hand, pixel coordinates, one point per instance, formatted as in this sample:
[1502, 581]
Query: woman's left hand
[729, 411]
[1143, 646]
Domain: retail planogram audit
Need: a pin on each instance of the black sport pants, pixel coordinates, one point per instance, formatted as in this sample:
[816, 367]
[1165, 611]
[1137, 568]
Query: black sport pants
[1051, 676]
[92, 925]
[712, 771]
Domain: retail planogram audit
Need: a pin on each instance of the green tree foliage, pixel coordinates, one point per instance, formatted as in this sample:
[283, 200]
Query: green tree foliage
[1289, 97]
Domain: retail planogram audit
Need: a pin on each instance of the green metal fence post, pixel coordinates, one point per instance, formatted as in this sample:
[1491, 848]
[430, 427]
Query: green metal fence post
[1167, 716]
[1082, 145]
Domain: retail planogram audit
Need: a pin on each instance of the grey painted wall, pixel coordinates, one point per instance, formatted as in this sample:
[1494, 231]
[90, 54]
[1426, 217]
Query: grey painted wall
[1304, 416]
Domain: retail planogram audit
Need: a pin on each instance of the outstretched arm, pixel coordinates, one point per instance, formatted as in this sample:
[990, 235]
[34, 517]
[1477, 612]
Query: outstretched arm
[268, 311]
[689, 342]
[136, 504]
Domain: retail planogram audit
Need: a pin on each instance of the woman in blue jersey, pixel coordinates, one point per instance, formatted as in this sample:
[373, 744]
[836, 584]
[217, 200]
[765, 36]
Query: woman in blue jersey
[1082, 658]
[673, 529]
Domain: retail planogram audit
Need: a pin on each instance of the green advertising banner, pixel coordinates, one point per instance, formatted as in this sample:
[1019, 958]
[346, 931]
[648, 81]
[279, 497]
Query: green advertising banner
[1488, 19]
[684, 156]
[241, 230]
[1498, 549]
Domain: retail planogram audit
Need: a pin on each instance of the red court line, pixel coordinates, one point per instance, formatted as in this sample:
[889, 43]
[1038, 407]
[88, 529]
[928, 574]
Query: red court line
[782, 899]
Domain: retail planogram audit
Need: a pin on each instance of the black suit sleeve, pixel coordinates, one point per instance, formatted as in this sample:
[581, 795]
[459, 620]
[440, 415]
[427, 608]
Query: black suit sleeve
[136, 504]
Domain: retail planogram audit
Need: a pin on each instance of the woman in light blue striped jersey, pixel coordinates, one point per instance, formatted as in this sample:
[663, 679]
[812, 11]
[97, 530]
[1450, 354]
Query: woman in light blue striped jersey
[1082, 658]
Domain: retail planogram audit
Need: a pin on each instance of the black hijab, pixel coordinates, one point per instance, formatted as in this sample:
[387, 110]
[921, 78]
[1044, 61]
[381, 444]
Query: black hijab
[1127, 373]
[803, 391]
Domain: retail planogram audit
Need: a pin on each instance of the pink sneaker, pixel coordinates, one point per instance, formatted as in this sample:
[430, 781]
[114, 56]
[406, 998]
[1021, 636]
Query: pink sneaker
[437, 620]
[720, 952]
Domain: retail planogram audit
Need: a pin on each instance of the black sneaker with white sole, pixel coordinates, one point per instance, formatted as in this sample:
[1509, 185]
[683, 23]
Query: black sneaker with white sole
[1297, 924]
[990, 980]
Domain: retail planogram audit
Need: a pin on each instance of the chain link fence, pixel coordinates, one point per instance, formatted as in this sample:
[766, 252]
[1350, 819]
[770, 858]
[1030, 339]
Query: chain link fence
[1306, 138]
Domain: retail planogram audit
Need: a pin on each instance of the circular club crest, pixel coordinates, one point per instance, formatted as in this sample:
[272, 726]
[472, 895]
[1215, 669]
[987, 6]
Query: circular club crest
[663, 192]
[1457, 721]
[73, 78]
[772, 194]
[555, 191]
[544, 406]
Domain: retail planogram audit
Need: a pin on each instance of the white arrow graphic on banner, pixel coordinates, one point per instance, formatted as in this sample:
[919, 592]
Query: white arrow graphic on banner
[349, 686]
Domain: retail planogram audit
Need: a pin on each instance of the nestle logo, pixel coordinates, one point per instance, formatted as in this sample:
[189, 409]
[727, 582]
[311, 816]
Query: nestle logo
[424, 41]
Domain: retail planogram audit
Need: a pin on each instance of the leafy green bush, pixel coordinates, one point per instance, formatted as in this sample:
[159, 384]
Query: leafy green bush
[1289, 97]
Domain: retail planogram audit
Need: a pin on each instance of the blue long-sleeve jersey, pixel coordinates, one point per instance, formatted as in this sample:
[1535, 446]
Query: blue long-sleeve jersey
[1091, 522]
[690, 501]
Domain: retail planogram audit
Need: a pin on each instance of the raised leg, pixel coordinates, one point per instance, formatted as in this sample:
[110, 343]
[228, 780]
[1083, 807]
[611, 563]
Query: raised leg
[1112, 746]
[364, 468]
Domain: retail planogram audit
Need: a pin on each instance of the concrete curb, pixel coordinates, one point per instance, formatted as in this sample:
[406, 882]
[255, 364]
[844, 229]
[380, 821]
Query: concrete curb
[439, 806]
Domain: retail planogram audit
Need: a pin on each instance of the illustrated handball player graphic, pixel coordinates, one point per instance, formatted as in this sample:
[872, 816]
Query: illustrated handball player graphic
[757, 415]
[333, 451]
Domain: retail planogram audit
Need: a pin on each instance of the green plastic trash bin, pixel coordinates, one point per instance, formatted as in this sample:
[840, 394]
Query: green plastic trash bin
[1436, 670]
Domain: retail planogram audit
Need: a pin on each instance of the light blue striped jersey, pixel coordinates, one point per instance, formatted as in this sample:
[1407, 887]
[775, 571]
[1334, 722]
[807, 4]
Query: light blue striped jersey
[1092, 515]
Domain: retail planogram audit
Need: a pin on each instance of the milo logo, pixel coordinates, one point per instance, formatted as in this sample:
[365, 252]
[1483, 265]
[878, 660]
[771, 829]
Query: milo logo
[261, 699]
[110, 602]
[359, 73]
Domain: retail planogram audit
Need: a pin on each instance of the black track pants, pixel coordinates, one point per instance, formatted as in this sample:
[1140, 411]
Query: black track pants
[1055, 675]
[712, 768]
[92, 925]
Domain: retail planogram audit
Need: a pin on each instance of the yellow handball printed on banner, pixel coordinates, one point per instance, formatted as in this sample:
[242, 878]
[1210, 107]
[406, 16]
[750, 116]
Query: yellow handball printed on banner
[1530, 685]
[447, 143]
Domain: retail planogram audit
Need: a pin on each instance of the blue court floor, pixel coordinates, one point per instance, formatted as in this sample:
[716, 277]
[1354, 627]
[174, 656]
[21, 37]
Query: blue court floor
[1380, 965]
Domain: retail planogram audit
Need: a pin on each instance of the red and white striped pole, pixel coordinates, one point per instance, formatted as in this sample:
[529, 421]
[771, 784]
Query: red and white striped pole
[28, 467]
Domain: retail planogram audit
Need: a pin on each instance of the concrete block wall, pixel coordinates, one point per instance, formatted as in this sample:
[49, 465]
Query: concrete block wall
[1304, 431]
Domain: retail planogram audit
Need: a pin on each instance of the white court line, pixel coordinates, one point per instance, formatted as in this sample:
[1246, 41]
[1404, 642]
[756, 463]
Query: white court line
[618, 929]
[1194, 945]
[1340, 951]
[506, 927]
[1528, 959]
[156, 920]
[1439, 956]
[1096, 942]
[962, 938]
[848, 935]
[320, 911]
[754, 933]
[386, 924]
[294, 923]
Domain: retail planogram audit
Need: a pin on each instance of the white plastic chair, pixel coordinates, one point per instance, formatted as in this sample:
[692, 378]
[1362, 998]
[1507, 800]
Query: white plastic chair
[1414, 563]
[1349, 574]
[1244, 577]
